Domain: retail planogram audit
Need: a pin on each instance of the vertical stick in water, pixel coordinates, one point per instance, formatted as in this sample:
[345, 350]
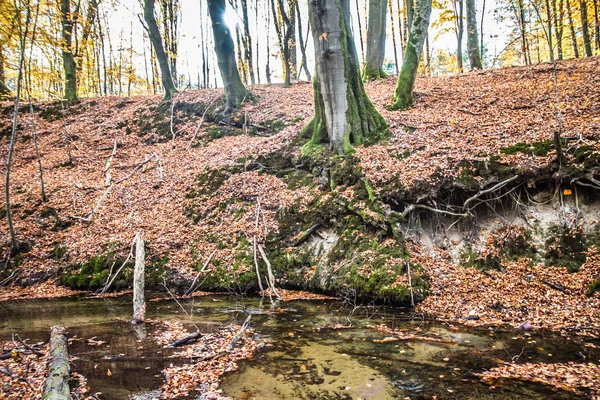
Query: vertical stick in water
[139, 305]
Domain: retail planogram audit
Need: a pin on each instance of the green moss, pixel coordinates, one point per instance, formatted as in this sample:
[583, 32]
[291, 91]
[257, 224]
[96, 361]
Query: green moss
[58, 252]
[593, 288]
[93, 274]
[540, 149]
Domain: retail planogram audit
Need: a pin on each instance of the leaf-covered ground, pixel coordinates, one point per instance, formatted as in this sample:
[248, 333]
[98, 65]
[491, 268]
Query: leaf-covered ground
[158, 181]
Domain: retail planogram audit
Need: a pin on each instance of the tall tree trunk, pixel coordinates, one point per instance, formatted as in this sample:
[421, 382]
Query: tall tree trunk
[159, 50]
[344, 115]
[373, 68]
[304, 64]
[292, 41]
[268, 64]
[403, 95]
[285, 33]
[597, 25]
[548, 30]
[360, 32]
[572, 30]
[587, 43]
[558, 14]
[67, 51]
[401, 28]
[481, 51]
[235, 91]
[247, 41]
[390, 5]
[410, 12]
[460, 28]
[473, 37]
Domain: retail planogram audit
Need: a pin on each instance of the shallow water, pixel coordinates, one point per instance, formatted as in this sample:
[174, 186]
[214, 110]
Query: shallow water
[301, 361]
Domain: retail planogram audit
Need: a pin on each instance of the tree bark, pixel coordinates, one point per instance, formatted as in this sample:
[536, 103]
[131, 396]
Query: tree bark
[139, 304]
[390, 5]
[572, 30]
[57, 383]
[247, 40]
[67, 51]
[473, 37]
[587, 43]
[235, 91]
[159, 50]
[344, 115]
[460, 29]
[403, 96]
[373, 68]
[558, 14]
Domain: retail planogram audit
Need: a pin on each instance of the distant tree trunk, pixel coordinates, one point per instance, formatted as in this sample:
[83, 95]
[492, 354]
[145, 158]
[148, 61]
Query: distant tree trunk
[235, 91]
[481, 52]
[390, 5]
[587, 43]
[344, 115]
[597, 25]
[284, 34]
[360, 33]
[304, 63]
[401, 27]
[558, 14]
[247, 41]
[67, 51]
[460, 28]
[159, 50]
[548, 30]
[572, 30]
[373, 68]
[292, 41]
[473, 37]
[403, 95]
[4, 90]
[268, 64]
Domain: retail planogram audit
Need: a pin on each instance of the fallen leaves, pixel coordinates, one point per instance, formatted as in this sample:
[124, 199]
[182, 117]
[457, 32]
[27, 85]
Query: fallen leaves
[581, 379]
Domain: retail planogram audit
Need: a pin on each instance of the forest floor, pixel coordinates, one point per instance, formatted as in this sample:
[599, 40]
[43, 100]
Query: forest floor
[117, 166]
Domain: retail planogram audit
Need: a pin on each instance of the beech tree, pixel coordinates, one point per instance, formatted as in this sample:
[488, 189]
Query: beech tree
[403, 95]
[373, 68]
[67, 51]
[235, 91]
[473, 37]
[344, 115]
[159, 50]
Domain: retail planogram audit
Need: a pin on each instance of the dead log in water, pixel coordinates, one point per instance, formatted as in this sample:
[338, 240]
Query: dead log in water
[57, 383]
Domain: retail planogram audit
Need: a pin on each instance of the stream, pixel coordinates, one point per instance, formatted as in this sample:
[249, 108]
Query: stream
[302, 361]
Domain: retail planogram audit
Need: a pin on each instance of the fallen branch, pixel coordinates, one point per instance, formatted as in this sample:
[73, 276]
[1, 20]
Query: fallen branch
[270, 275]
[191, 338]
[306, 234]
[203, 270]
[109, 189]
[201, 122]
[556, 286]
[412, 207]
[110, 280]
[240, 333]
[492, 189]
[57, 383]
[468, 111]
[107, 174]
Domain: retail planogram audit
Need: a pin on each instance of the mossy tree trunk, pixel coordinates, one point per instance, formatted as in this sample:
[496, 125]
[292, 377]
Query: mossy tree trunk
[473, 37]
[235, 91]
[67, 51]
[373, 68]
[159, 49]
[344, 115]
[403, 95]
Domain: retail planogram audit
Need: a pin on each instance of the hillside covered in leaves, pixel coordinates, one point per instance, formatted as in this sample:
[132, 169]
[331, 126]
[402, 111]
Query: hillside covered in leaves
[463, 208]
